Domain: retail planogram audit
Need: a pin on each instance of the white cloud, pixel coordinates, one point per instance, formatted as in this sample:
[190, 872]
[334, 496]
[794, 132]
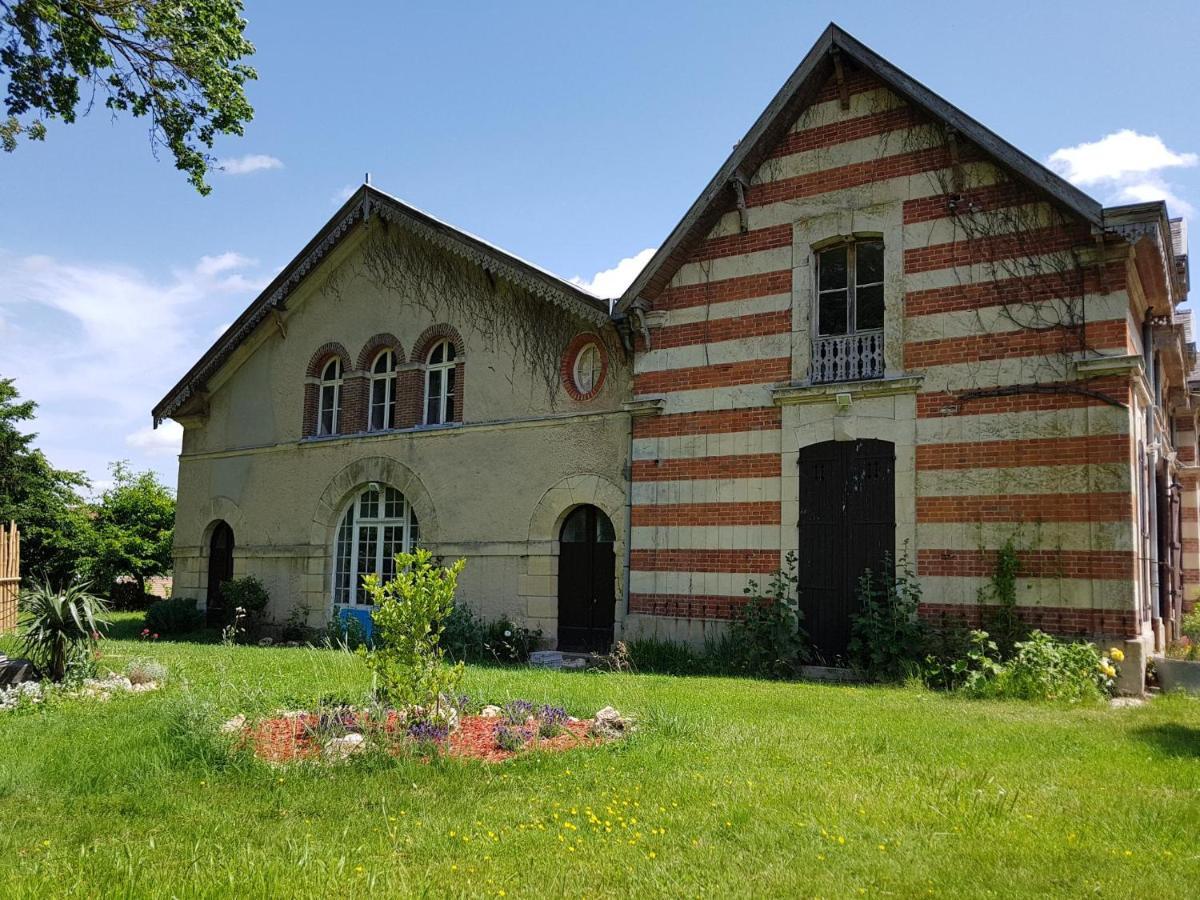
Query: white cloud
[1126, 166]
[97, 345]
[342, 194]
[251, 162]
[167, 439]
[611, 283]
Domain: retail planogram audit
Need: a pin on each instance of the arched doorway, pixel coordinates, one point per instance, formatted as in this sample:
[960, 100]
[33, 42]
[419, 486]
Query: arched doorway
[586, 573]
[220, 570]
[847, 524]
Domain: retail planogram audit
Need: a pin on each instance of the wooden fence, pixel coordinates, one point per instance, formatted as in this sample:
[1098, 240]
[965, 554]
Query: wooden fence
[10, 577]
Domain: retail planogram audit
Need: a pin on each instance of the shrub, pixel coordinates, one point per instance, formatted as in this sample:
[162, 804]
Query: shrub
[469, 638]
[146, 671]
[247, 593]
[1047, 668]
[976, 660]
[1190, 626]
[174, 616]
[886, 635]
[127, 595]
[410, 613]
[766, 639]
[59, 628]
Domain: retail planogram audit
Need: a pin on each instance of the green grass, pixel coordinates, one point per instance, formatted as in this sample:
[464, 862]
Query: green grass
[738, 788]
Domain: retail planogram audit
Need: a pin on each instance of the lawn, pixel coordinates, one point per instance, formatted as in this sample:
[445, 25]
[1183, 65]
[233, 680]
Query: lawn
[730, 788]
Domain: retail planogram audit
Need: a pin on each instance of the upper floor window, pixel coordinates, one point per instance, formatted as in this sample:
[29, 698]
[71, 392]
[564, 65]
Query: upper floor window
[848, 340]
[439, 384]
[383, 392]
[587, 369]
[329, 405]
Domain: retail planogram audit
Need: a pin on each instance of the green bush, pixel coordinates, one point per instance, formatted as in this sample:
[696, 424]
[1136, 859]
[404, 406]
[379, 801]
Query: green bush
[766, 638]
[1190, 627]
[961, 660]
[410, 613]
[469, 638]
[127, 596]
[1047, 668]
[665, 657]
[174, 616]
[886, 635]
[59, 628]
[247, 592]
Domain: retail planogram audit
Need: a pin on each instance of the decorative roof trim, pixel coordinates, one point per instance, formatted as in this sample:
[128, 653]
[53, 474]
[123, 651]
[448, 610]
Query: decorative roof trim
[791, 99]
[365, 202]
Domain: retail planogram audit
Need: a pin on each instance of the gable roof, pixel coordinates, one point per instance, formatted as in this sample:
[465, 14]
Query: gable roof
[797, 93]
[366, 202]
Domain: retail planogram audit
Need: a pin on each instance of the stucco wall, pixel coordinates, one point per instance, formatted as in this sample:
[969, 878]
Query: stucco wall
[494, 488]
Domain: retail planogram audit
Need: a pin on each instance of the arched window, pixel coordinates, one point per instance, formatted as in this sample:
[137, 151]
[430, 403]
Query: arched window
[329, 406]
[439, 384]
[383, 392]
[379, 524]
[588, 366]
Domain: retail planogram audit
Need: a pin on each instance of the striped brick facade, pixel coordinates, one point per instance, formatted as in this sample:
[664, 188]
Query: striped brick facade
[994, 298]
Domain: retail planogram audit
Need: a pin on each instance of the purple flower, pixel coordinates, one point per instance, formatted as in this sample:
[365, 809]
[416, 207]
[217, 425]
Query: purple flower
[424, 731]
[517, 712]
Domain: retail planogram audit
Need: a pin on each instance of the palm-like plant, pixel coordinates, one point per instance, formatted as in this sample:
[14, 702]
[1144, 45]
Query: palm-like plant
[56, 625]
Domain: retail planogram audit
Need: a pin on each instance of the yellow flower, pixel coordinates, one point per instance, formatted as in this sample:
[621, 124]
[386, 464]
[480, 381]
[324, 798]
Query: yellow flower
[1117, 655]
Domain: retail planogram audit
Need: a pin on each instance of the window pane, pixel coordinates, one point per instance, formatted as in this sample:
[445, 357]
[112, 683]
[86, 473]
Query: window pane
[368, 507]
[333, 370]
[433, 396]
[449, 395]
[341, 563]
[831, 317]
[367, 547]
[393, 504]
[379, 390]
[869, 307]
[383, 363]
[585, 369]
[450, 351]
[870, 262]
[437, 354]
[831, 265]
[414, 531]
[574, 530]
[604, 529]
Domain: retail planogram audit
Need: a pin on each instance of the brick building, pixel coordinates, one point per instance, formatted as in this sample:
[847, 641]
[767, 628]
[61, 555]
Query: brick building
[879, 329]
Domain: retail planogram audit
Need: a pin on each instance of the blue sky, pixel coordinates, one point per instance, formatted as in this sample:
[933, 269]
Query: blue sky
[574, 135]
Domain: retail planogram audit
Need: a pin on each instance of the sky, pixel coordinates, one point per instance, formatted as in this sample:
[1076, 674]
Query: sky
[574, 135]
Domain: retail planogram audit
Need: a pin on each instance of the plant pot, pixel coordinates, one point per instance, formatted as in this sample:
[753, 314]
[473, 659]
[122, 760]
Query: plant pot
[1178, 674]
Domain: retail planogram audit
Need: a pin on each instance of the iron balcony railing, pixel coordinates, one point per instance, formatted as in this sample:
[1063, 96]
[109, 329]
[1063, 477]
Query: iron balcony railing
[848, 357]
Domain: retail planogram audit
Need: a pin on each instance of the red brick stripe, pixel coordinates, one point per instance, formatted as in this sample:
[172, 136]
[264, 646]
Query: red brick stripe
[754, 371]
[1063, 451]
[1034, 242]
[1059, 620]
[1111, 334]
[728, 421]
[855, 80]
[1107, 565]
[996, 196]
[853, 175]
[936, 404]
[1097, 507]
[757, 562]
[750, 513]
[750, 465]
[686, 606]
[846, 130]
[724, 290]
[1013, 291]
[771, 238]
[712, 330]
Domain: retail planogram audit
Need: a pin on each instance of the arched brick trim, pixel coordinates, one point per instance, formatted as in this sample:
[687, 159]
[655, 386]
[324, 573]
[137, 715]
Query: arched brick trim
[432, 335]
[323, 354]
[312, 391]
[566, 368]
[374, 346]
[412, 388]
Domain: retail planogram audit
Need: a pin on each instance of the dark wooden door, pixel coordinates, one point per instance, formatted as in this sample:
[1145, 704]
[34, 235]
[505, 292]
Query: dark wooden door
[586, 573]
[220, 570]
[847, 524]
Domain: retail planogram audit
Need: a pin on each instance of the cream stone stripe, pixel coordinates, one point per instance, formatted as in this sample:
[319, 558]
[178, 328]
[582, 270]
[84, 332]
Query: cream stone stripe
[1080, 479]
[697, 446]
[1018, 217]
[758, 262]
[874, 148]
[721, 584]
[729, 309]
[748, 349]
[1057, 423]
[1075, 593]
[830, 112]
[702, 490]
[714, 399]
[981, 274]
[1030, 535]
[1019, 316]
[994, 373]
[704, 537]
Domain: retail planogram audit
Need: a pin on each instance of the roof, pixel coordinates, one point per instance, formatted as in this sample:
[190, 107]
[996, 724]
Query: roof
[797, 93]
[366, 202]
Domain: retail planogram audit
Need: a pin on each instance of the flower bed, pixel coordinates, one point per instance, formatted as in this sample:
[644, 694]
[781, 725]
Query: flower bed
[494, 735]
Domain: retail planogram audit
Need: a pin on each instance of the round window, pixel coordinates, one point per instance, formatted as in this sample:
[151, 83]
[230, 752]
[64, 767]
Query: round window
[588, 366]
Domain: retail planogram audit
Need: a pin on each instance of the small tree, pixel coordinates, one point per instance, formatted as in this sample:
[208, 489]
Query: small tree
[410, 615]
[58, 626]
[135, 522]
[766, 638]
